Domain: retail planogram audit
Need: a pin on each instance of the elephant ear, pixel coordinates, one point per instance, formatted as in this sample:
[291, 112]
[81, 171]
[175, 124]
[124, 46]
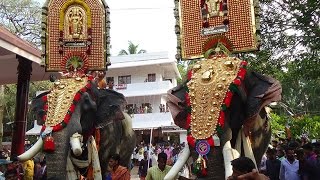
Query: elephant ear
[177, 105]
[111, 105]
[37, 106]
[262, 90]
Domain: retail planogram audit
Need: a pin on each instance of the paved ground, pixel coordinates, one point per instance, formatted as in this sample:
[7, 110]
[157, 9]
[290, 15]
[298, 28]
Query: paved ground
[134, 173]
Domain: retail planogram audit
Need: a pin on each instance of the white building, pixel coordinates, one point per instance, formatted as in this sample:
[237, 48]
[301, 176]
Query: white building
[144, 80]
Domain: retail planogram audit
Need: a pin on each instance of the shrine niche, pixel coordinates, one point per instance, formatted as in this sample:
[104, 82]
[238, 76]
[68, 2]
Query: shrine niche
[199, 23]
[75, 20]
[76, 35]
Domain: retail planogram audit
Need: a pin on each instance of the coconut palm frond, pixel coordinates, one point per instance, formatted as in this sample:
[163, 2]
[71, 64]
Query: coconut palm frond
[123, 52]
[142, 51]
[132, 49]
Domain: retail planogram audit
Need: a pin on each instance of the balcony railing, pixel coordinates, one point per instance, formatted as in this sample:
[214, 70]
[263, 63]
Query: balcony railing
[144, 89]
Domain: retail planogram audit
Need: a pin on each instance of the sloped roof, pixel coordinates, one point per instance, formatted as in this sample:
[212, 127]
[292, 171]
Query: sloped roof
[12, 46]
[35, 130]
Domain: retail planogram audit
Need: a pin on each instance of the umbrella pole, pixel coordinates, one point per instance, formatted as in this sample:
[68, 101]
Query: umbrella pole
[149, 152]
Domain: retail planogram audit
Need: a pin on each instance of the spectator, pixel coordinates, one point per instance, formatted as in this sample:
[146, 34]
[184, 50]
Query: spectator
[160, 171]
[43, 170]
[135, 109]
[118, 172]
[309, 170]
[28, 167]
[110, 84]
[143, 167]
[274, 143]
[17, 167]
[140, 153]
[175, 155]
[168, 152]
[272, 165]
[240, 166]
[289, 166]
[263, 163]
[3, 163]
[280, 153]
[254, 175]
[11, 174]
[37, 169]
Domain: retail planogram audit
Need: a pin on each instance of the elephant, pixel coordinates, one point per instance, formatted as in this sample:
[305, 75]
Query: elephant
[95, 109]
[247, 114]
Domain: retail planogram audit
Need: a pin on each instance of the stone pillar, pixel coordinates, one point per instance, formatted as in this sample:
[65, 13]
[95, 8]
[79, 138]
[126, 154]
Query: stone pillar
[19, 128]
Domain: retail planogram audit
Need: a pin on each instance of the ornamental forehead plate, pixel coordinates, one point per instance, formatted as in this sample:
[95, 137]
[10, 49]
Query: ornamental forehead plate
[208, 87]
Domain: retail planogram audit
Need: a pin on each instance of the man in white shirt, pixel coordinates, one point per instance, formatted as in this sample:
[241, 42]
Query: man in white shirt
[289, 166]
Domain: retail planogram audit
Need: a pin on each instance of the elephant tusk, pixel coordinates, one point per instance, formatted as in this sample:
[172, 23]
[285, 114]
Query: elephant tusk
[32, 151]
[229, 154]
[75, 142]
[183, 157]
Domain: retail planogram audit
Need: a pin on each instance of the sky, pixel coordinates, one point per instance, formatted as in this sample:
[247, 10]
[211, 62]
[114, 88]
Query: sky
[149, 23]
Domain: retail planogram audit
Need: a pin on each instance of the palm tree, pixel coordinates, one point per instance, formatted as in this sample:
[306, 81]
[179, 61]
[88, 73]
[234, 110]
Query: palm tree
[132, 49]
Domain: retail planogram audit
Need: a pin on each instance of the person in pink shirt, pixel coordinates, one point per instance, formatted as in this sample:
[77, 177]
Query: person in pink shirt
[168, 151]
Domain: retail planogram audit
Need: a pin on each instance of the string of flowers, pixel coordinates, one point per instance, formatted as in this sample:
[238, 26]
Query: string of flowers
[71, 109]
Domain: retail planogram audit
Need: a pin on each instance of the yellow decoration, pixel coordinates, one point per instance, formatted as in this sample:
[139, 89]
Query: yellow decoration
[61, 98]
[75, 23]
[208, 89]
[70, 3]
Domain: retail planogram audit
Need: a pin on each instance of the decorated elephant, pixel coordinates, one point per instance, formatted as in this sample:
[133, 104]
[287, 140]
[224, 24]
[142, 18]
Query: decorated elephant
[92, 119]
[223, 107]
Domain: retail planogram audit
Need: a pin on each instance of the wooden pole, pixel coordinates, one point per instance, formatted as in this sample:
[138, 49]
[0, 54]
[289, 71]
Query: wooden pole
[1, 114]
[19, 128]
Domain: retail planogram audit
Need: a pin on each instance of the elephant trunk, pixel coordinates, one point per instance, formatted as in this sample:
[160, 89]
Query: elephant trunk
[56, 162]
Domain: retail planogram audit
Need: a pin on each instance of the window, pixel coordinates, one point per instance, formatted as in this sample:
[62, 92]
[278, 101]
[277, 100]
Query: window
[110, 79]
[151, 77]
[124, 79]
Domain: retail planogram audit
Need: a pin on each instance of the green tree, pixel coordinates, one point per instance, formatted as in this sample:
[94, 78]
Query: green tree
[290, 51]
[23, 18]
[299, 125]
[182, 67]
[132, 49]
[277, 124]
[10, 102]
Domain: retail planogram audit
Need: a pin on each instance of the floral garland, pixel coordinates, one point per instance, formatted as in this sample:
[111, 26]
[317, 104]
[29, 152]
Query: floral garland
[71, 110]
[226, 104]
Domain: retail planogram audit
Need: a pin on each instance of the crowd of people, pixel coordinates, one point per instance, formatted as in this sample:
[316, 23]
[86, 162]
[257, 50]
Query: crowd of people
[143, 151]
[143, 109]
[292, 160]
[139, 110]
[33, 169]
[284, 160]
